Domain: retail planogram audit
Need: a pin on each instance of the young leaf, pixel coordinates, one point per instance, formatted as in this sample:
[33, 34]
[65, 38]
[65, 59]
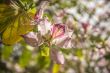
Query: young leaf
[10, 35]
[56, 68]
[14, 24]
[24, 23]
[6, 13]
[44, 50]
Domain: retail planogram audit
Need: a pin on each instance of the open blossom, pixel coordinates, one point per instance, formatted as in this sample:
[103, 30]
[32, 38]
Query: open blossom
[58, 33]
[57, 30]
[63, 38]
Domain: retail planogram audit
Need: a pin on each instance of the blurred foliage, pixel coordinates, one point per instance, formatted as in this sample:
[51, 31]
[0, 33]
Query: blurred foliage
[56, 68]
[6, 52]
[25, 58]
[44, 50]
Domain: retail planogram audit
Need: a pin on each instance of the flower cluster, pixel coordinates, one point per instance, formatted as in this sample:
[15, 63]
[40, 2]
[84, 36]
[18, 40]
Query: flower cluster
[56, 34]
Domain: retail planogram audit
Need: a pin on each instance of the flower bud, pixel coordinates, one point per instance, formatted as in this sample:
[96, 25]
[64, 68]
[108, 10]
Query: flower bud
[38, 15]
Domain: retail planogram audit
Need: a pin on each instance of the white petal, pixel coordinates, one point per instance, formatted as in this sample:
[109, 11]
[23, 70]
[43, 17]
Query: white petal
[44, 26]
[60, 58]
[57, 56]
[31, 39]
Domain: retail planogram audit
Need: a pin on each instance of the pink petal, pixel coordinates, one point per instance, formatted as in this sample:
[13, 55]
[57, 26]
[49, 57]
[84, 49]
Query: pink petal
[31, 39]
[57, 30]
[44, 27]
[38, 15]
[64, 41]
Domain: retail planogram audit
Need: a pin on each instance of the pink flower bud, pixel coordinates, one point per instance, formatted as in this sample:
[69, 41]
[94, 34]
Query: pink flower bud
[38, 15]
[57, 30]
[40, 12]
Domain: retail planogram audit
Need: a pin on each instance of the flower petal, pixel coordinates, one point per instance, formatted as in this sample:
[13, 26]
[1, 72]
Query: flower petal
[44, 27]
[38, 15]
[31, 39]
[64, 41]
[57, 30]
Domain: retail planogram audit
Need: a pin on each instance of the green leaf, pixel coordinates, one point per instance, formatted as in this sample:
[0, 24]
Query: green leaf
[24, 23]
[10, 36]
[14, 21]
[6, 52]
[6, 14]
[25, 58]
